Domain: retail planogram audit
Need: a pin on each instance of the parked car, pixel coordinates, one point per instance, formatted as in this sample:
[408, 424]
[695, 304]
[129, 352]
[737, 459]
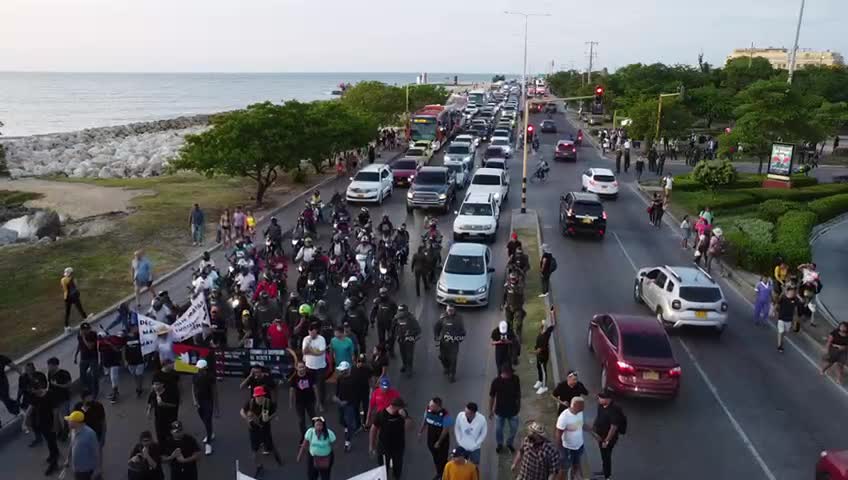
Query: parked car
[404, 170]
[491, 180]
[681, 296]
[582, 213]
[433, 187]
[600, 181]
[565, 150]
[466, 277]
[477, 218]
[635, 356]
[373, 183]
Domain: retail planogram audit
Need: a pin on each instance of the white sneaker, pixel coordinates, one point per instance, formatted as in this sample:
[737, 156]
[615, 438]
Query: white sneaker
[537, 385]
[541, 390]
[543, 295]
[206, 439]
[208, 449]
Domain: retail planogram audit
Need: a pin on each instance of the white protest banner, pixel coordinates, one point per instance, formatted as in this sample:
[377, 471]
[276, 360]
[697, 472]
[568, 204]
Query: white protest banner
[147, 333]
[192, 321]
[379, 473]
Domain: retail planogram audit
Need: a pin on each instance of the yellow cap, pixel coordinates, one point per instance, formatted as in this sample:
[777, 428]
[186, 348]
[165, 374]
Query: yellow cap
[76, 416]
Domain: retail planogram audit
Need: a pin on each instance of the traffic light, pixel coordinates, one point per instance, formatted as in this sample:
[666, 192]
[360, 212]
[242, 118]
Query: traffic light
[530, 130]
[598, 103]
[599, 91]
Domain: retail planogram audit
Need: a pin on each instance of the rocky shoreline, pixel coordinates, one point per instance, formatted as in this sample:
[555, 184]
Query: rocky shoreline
[134, 150]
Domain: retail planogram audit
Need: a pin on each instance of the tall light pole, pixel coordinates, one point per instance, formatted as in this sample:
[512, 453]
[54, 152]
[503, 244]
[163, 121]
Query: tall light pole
[795, 47]
[524, 101]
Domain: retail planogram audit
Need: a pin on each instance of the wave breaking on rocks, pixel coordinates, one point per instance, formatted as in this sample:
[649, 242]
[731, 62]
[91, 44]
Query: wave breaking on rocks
[134, 150]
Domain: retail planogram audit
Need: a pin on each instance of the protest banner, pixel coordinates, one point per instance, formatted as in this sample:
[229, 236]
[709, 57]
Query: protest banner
[236, 362]
[148, 329]
[379, 473]
[186, 357]
[191, 322]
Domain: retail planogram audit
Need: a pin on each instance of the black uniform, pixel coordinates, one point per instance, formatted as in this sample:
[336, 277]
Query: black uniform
[407, 331]
[421, 267]
[358, 321]
[383, 312]
[449, 331]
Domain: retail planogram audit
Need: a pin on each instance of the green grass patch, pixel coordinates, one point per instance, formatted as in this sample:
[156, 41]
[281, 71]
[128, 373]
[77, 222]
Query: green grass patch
[31, 306]
[533, 407]
[14, 198]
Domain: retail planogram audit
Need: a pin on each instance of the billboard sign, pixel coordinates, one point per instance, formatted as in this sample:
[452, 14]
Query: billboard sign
[780, 161]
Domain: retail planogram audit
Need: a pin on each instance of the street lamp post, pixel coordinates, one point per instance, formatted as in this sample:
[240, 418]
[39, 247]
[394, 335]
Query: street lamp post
[795, 47]
[524, 100]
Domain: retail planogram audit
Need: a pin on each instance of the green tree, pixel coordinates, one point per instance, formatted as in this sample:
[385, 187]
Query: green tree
[740, 73]
[714, 173]
[711, 103]
[831, 83]
[421, 95]
[384, 102]
[675, 121]
[333, 127]
[255, 143]
[498, 78]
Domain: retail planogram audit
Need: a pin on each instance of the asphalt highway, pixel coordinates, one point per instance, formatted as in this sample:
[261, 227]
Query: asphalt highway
[744, 410]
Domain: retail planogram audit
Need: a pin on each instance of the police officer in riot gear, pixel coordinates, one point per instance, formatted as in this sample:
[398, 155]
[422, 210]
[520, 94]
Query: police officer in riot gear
[449, 332]
[407, 330]
[325, 321]
[382, 313]
[355, 316]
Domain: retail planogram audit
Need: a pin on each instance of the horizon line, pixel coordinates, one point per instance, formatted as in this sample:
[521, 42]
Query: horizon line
[249, 72]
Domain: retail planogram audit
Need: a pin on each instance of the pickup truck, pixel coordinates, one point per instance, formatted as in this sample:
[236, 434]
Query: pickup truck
[432, 187]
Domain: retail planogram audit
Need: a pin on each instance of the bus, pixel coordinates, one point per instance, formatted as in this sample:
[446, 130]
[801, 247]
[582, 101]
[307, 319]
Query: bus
[478, 97]
[436, 123]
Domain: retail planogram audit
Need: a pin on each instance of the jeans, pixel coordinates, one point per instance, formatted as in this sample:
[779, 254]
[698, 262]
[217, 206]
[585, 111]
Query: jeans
[73, 301]
[761, 312]
[606, 460]
[392, 456]
[348, 418]
[205, 411]
[115, 376]
[197, 233]
[90, 376]
[474, 456]
[546, 282]
[499, 429]
[542, 370]
[302, 412]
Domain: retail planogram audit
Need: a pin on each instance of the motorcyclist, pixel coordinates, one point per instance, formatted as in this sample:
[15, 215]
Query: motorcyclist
[159, 311]
[367, 249]
[206, 260]
[326, 325]
[340, 212]
[245, 281]
[275, 233]
[364, 218]
[350, 268]
[219, 326]
[449, 332]
[355, 316]
[266, 285]
[265, 311]
[307, 252]
[385, 228]
[513, 301]
[340, 246]
[308, 216]
[535, 142]
[355, 291]
[382, 313]
[314, 289]
[406, 330]
[542, 168]
[291, 314]
[301, 328]
[387, 264]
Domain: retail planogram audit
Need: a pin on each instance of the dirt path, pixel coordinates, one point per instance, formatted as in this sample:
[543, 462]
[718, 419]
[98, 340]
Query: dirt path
[75, 200]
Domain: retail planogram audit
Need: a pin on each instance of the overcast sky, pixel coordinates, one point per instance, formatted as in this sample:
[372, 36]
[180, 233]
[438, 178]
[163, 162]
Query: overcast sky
[394, 35]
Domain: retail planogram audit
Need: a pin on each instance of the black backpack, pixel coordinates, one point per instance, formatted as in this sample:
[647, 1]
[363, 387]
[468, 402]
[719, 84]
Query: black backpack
[553, 263]
[622, 429]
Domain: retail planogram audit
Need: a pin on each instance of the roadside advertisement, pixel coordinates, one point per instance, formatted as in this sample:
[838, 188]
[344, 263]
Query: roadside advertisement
[780, 161]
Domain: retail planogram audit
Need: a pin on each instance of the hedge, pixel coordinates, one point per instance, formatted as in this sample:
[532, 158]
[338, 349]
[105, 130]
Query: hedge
[774, 208]
[829, 207]
[792, 236]
[686, 183]
[734, 198]
[755, 249]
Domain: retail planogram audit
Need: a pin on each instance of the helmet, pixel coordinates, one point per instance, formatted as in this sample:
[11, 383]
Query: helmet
[513, 277]
[274, 220]
[385, 217]
[402, 307]
[348, 303]
[384, 291]
[305, 309]
[321, 304]
[402, 226]
[293, 295]
[206, 255]
[308, 242]
[352, 278]
[364, 209]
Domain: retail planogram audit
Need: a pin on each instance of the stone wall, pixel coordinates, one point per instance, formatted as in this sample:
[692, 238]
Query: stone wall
[133, 150]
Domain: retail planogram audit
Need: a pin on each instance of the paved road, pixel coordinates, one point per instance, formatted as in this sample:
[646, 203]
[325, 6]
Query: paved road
[476, 368]
[831, 255]
[744, 411]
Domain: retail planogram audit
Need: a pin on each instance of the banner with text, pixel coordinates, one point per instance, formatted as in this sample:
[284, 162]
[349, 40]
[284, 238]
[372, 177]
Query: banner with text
[379, 473]
[192, 321]
[148, 332]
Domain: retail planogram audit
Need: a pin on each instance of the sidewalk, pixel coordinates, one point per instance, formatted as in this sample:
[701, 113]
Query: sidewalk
[175, 282]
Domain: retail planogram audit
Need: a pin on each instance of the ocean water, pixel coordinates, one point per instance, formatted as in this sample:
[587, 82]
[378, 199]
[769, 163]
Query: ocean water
[36, 103]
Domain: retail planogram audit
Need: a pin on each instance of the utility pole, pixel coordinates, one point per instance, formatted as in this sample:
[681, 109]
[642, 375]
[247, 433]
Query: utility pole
[751, 56]
[591, 60]
[795, 47]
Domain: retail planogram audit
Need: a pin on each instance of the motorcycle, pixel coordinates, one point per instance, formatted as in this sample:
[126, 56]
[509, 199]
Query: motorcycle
[401, 256]
[317, 211]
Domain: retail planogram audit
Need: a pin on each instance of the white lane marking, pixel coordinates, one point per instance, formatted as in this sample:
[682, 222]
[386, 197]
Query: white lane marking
[736, 426]
[623, 250]
[810, 360]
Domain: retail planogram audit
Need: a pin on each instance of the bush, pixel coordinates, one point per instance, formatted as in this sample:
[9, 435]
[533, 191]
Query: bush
[686, 183]
[749, 254]
[774, 208]
[298, 176]
[694, 202]
[758, 230]
[805, 194]
[829, 207]
[792, 236]
[714, 173]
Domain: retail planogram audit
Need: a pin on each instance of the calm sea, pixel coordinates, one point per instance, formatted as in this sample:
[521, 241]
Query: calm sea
[32, 103]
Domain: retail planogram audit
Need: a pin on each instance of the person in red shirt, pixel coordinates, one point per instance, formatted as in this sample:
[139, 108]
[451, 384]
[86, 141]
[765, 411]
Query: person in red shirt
[278, 335]
[380, 399]
[265, 285]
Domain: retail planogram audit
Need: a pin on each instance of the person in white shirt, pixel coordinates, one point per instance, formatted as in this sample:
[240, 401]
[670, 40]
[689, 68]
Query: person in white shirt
[315, 358]
[245, 281]
[667, 185]
[470, 431]
[570, 427]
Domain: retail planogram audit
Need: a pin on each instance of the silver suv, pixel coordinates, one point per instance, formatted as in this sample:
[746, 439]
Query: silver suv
[681, 296]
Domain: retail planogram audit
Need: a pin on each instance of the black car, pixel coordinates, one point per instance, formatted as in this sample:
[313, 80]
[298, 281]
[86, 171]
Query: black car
[548, 126]
[479, 131]
[551, 108]
[432, 187]
[582, 213]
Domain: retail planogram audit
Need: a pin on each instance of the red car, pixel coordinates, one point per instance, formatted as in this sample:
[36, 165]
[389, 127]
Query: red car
[833, 465]
[404, 170]
[635, 355]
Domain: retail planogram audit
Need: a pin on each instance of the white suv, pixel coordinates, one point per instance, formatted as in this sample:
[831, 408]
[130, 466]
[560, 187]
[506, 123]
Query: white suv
[477, 218]
[600, 181]
[490, 180]
[681, 296]
[373, 183]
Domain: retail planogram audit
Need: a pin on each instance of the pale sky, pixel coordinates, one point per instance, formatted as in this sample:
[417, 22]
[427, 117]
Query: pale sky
[394, 35]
